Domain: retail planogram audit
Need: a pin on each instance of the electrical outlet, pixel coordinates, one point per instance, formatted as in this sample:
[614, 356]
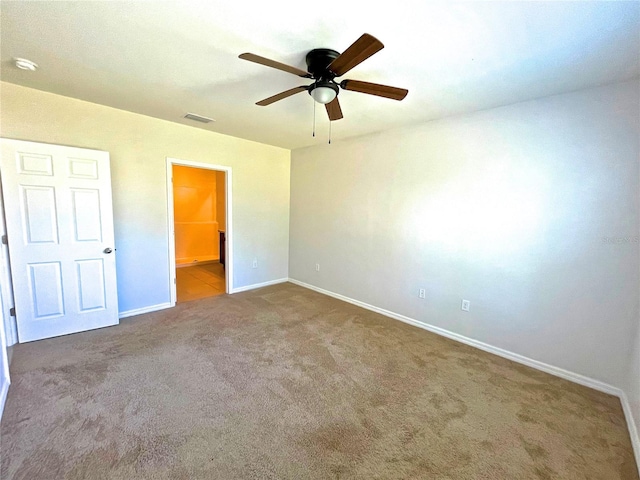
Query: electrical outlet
[255, 263]
[317, 267]
[466, 304]
[422, 293]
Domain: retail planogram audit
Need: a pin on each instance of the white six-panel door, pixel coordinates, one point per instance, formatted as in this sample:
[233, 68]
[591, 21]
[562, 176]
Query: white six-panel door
[59, 219]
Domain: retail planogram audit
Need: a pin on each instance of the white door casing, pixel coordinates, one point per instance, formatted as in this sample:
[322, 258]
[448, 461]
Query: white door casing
[171, 227]
[6, 285]
[61, 243]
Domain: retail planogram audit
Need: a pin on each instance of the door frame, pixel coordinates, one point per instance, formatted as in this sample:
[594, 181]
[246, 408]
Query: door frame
[228, 270]
[6, 283]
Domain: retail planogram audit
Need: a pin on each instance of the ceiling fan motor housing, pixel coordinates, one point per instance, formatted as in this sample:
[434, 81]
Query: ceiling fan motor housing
[318, 61]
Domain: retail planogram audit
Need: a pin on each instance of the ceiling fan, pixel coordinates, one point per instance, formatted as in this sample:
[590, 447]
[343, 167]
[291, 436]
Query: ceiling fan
[323, 66]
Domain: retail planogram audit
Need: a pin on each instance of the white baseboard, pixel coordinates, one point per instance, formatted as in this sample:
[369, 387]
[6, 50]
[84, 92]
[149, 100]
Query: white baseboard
[558, 372]
[633, 426]
[258, 285]
[4, 390]
[140, 311]
[194, 263]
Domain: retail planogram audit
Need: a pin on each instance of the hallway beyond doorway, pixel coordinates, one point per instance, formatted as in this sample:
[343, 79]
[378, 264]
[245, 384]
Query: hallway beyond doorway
[200, 281]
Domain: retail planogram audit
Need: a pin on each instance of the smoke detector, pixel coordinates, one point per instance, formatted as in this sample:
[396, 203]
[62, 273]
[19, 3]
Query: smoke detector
[24, 64]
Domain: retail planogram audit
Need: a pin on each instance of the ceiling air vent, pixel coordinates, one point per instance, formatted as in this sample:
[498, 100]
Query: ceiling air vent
[198, 118]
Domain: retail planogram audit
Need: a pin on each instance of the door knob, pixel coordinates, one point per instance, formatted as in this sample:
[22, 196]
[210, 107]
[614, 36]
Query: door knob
[108, 250]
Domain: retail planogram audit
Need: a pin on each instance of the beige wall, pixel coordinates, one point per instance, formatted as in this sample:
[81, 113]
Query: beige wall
[524, 210]
[138, 146]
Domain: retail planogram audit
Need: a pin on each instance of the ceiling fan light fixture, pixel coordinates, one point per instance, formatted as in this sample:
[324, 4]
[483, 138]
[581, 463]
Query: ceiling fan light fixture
[324, 92]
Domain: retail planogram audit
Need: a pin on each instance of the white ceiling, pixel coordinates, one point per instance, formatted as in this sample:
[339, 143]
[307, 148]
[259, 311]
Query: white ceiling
[164, 59]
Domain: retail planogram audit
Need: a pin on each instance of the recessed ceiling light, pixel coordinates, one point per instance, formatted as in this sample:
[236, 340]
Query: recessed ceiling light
[24, 64]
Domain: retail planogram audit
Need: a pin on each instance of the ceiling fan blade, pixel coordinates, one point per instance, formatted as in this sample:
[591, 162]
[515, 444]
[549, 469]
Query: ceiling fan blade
[273, 64]
[281, 95]
[333, 110]
[375, 89]
[357, 53]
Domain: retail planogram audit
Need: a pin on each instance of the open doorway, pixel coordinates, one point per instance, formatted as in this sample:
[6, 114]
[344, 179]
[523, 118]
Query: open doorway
[199, 218]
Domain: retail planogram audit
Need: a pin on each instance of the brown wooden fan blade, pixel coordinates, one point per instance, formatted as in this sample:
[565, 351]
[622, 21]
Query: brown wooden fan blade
[333, 109]
[273, 64]
[375, 89]
[280, 96]
[357, 53]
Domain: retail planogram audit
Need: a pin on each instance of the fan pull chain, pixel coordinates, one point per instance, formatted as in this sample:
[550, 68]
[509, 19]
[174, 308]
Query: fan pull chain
[314, 119]
[330, 122]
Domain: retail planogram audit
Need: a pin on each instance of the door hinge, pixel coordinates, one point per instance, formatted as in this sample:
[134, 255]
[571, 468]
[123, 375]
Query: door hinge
[12, 312]
[5, 240]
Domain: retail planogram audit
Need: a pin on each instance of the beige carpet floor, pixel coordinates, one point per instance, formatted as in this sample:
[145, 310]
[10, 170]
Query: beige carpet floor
[285, 383]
